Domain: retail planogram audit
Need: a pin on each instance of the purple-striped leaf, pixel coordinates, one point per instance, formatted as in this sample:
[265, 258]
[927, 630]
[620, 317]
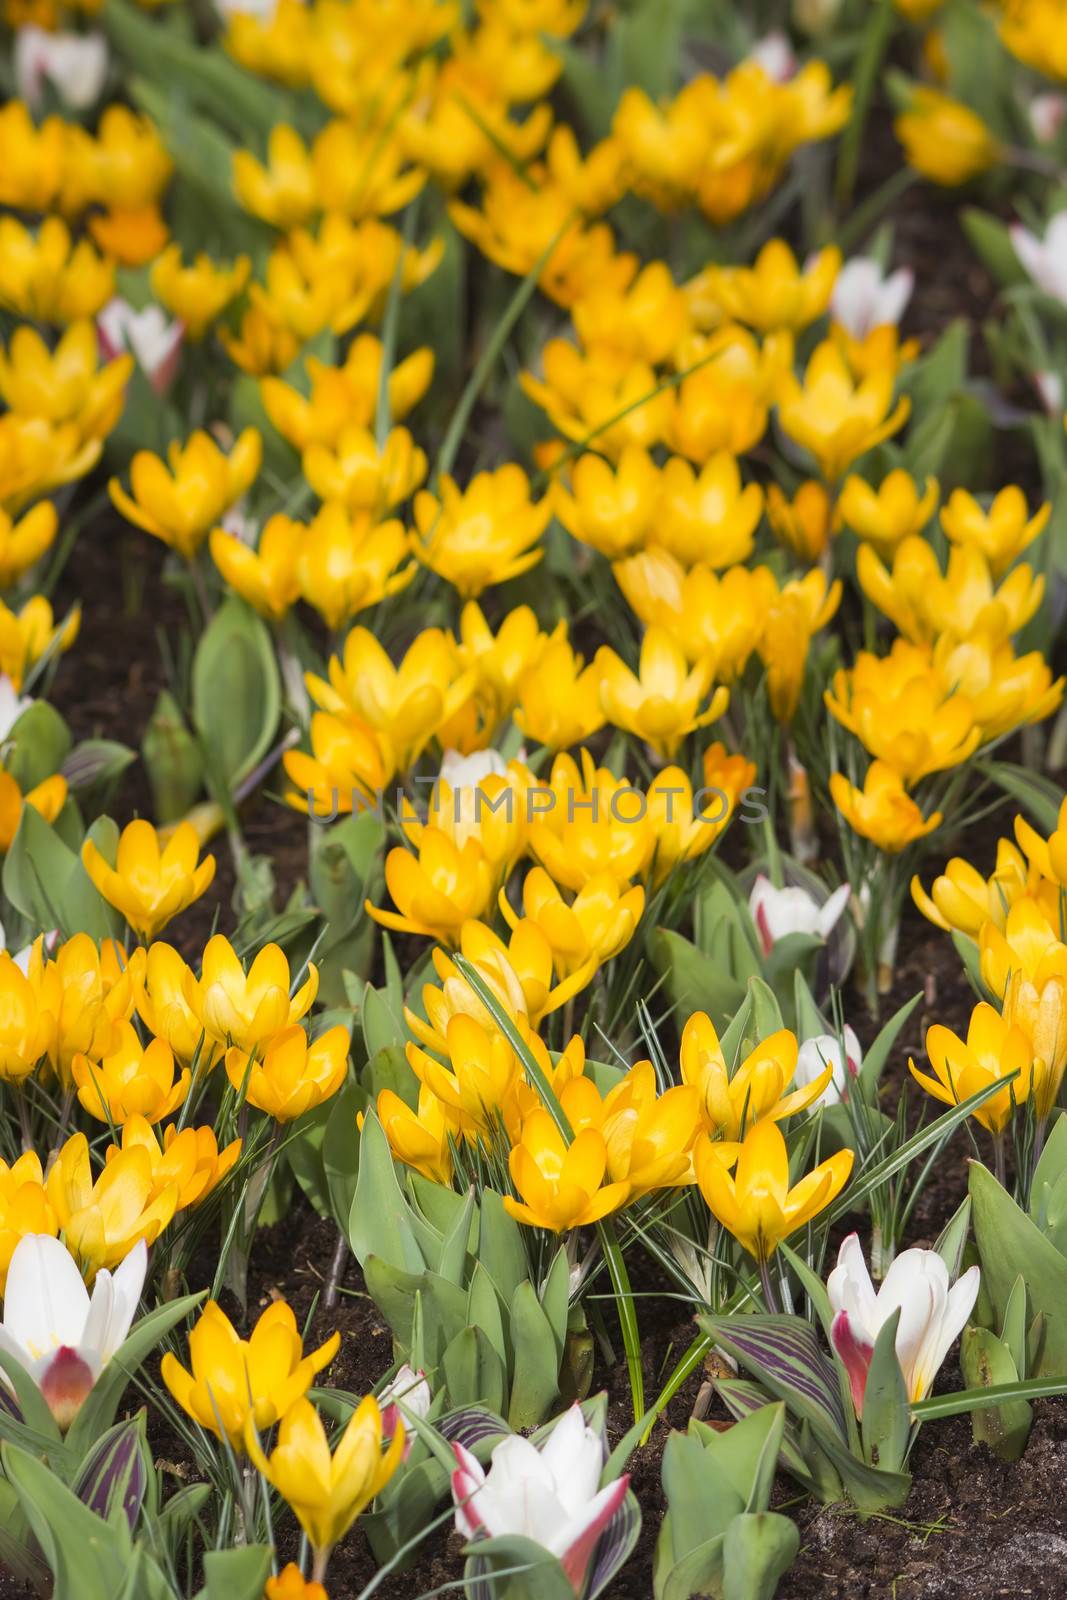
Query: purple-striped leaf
[784, 1355]
[114, 1473]
[741, 1399]
[615, 1547]
[472, 1426]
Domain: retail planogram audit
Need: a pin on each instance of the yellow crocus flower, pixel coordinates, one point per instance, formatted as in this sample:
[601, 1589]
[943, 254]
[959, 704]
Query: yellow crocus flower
[611, 508]
[346, 562]
[347, 768]
[45, 277]
[189, 1160]
[148, 885]
[963, 900]
[899, 707]
[1006, 691]
[719, 617]
[292, 1075]
[264, 344]
[1001, 533]
[37, 455]
[882, 810]
[924, 604]
[345, 396]
[1028, 943]
[707, 516]
[132, 1079]
[594, 397]
[477, 1085]
[757, 1204]
[1045, 856]
[327, 1493]
[559, 702]
[267, 576]
[235, 1380]
[103, 1218]
[500, 660]
[180, 499]
[421, 1139]
[775, 292]
[97, 989]
[731, 1104]
[32, 158]
[283, 192]
[562, 1186]
[944, 140]
[889, 514]
[131, 235]
[649, 1137]
[722, 404]
[835, 417]
[598, 923]
[994, 1049]
[247, 1009]
[167, 1014]
[197, 294]
[64, 385]
[803, 524]
[405, 703]
[661, 702]
[360, 475]
[596, 823]
[484, 534]
[28, 1022]
[25, 541]
[684, 824]
[438, 889]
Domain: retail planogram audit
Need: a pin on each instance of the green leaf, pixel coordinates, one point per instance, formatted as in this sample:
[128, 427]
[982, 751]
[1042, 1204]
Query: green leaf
[1010, 1244]
[473, 1371]
[86, 1555]
[340, 1150]
[963, 1400]
[45, 880]
[514, 1568]
[500, 1247]
[885, 1425]
[692, 980]
[236, 692]
[239, 1574]
[535, 1375]
[991, 241]
[759, 1548]
[1036, 794]
[986, 1361]
[379, 1222]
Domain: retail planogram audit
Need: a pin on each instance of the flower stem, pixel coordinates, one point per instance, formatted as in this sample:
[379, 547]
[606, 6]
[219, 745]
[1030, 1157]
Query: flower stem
[770, 1294]
[1000, 1168]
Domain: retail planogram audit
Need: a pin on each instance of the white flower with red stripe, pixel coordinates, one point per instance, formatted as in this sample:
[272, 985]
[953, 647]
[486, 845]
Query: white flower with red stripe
[411, 1389]
[932, 1314]
[780, 912]
[51, 1327]
[548, 1493]
[813, 1056]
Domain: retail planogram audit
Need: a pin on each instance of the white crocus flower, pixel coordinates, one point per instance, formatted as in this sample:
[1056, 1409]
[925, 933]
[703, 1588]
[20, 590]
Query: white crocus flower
[467, 772]
[548, 1494]
[75, 64]
[775, 55]
[150, 335]
[780, 912]
[1047, 112]
[12, 705]
[412, 1390]
[1044, 260]
[51, 1327]
[864, 299]
[812, 1059]
[1049, 386]
[932, 1314]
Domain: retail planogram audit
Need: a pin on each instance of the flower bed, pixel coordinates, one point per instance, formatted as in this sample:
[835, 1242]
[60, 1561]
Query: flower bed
[533, 849]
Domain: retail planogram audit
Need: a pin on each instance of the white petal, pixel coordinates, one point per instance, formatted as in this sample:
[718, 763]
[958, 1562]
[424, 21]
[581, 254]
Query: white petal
[46, 1303]
[850, 1288]
[830, 913]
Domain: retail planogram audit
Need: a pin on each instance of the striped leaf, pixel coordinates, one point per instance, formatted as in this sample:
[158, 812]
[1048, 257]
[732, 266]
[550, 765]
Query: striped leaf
[784, 1355]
